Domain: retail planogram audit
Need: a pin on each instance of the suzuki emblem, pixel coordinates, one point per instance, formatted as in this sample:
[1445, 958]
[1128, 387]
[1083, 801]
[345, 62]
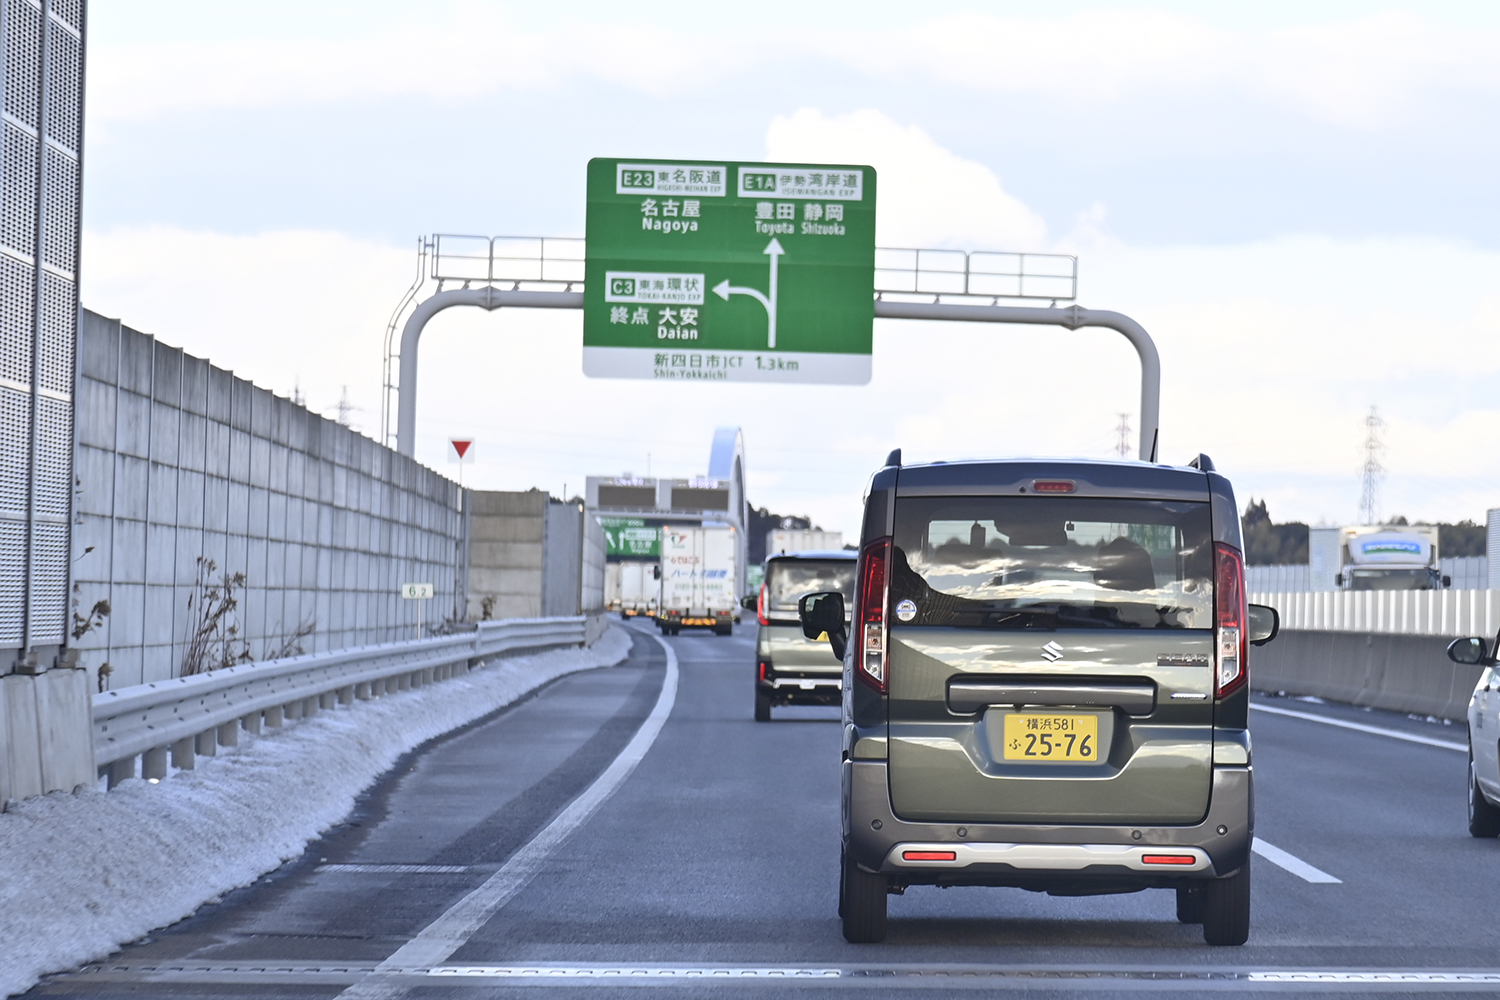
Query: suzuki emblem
[1052, 652]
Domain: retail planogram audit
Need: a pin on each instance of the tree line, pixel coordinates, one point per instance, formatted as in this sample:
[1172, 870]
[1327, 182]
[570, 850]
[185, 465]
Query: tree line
[1270, 544]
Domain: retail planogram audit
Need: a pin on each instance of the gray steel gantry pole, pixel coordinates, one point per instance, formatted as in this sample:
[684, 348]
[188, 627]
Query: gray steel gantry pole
[1072, 317]
[487, 297]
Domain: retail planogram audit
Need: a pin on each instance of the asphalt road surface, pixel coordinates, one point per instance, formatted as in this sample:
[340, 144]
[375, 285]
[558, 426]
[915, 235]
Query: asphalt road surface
[495, 862]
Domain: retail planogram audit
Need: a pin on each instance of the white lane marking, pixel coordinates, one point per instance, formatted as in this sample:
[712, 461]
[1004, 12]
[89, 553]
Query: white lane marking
[633, 972]
[452, 930]
[1394, 976]
[1358, 727]
[395, 869]
[1292, 863]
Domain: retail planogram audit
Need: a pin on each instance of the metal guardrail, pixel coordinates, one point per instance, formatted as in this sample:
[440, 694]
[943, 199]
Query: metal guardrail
[961, 276]
[1388, 612]
[193, 716]
[539, 263]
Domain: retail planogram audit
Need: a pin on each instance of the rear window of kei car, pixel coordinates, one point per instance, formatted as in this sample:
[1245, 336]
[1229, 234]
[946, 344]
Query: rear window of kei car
[789, 580]
[1051, 563]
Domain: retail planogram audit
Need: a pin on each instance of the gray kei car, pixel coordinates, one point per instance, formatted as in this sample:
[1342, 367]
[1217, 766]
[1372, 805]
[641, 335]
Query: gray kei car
[790, 668]
[1045, 687]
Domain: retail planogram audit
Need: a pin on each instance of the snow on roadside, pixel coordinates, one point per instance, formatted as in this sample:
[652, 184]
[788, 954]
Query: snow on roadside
[82, 874]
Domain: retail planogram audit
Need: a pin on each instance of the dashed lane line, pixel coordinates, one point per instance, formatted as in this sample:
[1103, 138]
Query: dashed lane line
[1292, 863]
[1360, 727]
[374, 869]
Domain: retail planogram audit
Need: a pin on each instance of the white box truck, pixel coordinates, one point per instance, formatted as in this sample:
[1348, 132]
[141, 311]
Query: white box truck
[784, 541]
[1389, 557]
[697, 580]
[639, 585]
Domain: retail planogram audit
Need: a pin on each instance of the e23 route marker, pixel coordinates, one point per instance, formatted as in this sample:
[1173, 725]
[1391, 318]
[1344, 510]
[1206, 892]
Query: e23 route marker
[798, 239]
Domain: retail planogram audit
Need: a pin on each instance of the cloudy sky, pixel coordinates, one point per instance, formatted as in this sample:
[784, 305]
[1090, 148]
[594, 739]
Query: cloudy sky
[1298, 201]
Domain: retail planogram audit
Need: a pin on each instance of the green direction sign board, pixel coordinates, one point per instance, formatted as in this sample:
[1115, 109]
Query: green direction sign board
[630, 536]
[729, 272]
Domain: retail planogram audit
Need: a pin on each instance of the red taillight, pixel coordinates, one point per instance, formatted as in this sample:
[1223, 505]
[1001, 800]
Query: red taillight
[763, 667]
[1169, 859]
[869, 626]
[1052, 486]
[929, 855]
[1229, 619]
[760, 607]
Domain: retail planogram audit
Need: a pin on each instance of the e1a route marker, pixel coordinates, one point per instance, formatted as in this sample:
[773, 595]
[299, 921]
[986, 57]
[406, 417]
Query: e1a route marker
[724, 289]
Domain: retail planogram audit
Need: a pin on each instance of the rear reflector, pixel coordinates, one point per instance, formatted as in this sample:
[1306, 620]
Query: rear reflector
[929, 855]
[1169, 859]
[1052, 486]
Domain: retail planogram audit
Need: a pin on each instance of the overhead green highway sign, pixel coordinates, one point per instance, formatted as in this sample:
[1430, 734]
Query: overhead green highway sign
[730, 272]
[630, 536]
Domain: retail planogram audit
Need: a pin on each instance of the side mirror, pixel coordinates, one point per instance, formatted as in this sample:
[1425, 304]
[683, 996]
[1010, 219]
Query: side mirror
[748, 603]
[823, 614]
[1338, 579]
[1447, 581]
[656, 572]
[1265, 624]
[1470, 651]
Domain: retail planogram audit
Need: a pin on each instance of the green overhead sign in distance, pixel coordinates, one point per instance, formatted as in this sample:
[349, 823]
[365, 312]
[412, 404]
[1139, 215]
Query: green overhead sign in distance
[729, 272]
[630, 536]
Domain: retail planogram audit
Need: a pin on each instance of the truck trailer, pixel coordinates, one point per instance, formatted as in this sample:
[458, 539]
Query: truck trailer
[631, 587]
[697, 580]
[1389, 557]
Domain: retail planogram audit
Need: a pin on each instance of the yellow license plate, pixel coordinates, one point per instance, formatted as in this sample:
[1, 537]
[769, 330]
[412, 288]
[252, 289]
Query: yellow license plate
[1038, 737]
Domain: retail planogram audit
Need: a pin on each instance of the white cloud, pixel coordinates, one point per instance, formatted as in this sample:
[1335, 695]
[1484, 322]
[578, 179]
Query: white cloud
[928, 196]
[282, 309]
[1271, 353]
[1364, 72]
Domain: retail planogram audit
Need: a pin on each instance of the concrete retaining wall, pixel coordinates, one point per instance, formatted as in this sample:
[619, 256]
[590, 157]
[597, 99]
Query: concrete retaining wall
[532, 556]
[45, 733]
[1402, 673]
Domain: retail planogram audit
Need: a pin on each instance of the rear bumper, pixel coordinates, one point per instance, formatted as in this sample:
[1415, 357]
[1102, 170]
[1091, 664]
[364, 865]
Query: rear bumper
[1067, 858]
[699, 619]
[798, 685]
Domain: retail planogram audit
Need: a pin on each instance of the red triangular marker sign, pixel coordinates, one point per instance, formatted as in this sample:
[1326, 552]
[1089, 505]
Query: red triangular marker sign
[461, 447]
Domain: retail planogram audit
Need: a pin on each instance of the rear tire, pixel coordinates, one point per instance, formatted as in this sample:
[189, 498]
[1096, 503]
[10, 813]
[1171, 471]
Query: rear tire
[1190, 904]
[864, 910]
[1226, 908]
[762, 704]
[1484, 817]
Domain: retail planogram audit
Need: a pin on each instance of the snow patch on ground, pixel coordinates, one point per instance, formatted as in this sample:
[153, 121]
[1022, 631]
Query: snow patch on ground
[82, 874]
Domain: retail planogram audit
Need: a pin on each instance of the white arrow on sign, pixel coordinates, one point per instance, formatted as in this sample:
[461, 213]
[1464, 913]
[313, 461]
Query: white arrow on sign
[724, 289]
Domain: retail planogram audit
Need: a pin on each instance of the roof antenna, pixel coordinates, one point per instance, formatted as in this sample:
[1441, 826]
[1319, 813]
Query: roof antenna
[894, 458]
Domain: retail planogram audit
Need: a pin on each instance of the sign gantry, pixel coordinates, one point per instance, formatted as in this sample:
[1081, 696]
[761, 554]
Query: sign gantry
[721, 271]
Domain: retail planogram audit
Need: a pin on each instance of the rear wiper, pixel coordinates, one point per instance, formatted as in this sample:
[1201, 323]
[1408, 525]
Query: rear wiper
[1060, 616]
